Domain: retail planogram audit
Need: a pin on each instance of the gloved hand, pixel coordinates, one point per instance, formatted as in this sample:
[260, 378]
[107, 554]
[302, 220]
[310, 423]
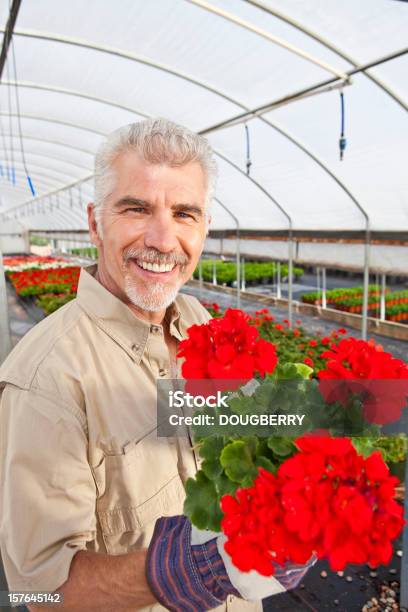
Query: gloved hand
[188, 570]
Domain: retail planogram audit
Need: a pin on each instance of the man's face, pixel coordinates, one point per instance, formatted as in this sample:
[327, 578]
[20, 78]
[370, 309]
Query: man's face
[154, 227]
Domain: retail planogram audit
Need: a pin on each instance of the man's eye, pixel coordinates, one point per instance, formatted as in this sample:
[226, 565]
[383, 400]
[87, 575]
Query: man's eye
[184, 215]
[138, 209]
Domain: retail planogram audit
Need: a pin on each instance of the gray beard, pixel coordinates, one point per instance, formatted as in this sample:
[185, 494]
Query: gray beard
[157, 296]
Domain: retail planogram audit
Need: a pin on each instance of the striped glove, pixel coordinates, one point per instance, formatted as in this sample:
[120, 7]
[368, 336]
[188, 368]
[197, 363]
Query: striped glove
[188, 570]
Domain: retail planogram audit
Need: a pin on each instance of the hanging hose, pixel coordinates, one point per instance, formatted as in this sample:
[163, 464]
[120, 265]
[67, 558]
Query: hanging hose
[248, 151]
[342, 141]
[20, 131]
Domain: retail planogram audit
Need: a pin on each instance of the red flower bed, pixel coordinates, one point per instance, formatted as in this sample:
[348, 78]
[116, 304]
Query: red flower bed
[19, 260]
[365, 368]
[51, 280]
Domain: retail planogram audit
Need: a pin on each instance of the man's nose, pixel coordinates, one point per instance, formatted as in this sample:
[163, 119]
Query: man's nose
[161, 234]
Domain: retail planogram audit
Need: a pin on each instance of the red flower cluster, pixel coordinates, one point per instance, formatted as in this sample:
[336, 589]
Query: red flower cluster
[363, 367]
[326, 500]
[261, 316]
[226, 348]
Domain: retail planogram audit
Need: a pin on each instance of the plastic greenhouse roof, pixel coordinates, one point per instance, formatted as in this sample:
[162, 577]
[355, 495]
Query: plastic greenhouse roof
[85, 68]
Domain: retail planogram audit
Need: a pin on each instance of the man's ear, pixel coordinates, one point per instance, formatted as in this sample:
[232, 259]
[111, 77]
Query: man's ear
[92, 225]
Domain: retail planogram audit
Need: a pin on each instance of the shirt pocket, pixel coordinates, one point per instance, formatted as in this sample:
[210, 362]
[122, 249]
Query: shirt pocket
[135, 488]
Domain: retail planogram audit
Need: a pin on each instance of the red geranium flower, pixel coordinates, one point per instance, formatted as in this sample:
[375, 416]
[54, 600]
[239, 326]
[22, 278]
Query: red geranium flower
[326, 499]
[226, 348]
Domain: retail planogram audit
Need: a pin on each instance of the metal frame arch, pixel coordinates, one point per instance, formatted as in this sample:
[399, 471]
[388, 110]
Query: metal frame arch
[243, 23]
[117, 53]
[72, 92]
[155, 65]
[56, 121]
[63, 188]
[9, 187]
[19, 163]
[56, 212]
[326, 43]
[258, 185]
[54, 157]
[273, 125]
[68, 216]
[49, 193]
[42, 181]
[48, 141]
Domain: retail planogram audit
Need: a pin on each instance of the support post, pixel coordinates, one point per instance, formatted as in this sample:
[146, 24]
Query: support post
[366, 282]
[290, 275]
[382, 299]
[238, 270]
[200, 278]
[214, 279]
[238, 256]
[5, 338]
[278, 280]
[324, 301]
[243, 284]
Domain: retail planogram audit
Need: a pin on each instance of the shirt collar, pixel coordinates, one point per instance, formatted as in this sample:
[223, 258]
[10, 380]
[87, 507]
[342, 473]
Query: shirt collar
[117, 319]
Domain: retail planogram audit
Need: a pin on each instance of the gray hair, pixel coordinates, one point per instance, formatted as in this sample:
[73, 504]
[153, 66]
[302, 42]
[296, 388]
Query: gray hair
[158, 141]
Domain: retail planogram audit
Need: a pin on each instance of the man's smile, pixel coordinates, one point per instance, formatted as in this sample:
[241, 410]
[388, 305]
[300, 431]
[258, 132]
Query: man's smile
[154, 270]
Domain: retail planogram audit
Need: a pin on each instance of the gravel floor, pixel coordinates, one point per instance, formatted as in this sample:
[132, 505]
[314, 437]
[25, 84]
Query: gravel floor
[358, 586]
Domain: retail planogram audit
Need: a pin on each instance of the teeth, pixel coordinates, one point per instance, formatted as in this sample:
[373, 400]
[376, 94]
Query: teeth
[155, 267]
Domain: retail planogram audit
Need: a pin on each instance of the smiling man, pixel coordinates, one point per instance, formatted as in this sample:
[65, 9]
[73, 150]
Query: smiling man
[90, 499]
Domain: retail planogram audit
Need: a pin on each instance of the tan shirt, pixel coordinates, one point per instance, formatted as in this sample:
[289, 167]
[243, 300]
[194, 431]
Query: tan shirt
[81, 466]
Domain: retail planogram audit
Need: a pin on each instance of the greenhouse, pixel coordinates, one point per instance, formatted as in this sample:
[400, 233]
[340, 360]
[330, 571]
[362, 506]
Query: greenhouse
[304, 105]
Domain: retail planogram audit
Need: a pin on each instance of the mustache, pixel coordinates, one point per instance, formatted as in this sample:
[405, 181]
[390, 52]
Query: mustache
[154, 256]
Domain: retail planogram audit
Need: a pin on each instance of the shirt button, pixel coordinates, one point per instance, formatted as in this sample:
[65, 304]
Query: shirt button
[155, 329]
[135, 347]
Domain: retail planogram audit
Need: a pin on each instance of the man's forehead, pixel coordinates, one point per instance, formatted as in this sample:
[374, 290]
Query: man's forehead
[136, 178]
[131, 163]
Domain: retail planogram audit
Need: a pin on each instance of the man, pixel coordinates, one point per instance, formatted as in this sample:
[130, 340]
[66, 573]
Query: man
[84, 479]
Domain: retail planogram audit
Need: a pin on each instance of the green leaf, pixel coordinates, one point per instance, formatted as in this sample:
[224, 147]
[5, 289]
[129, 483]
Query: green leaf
[281, 446]
[286, 371]
[264, 394]
[202, 505]
[303, 370]
[225, 486]
[210, 450]
[241, 405]
[364, 446]
[237, 461]
[266, 464]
